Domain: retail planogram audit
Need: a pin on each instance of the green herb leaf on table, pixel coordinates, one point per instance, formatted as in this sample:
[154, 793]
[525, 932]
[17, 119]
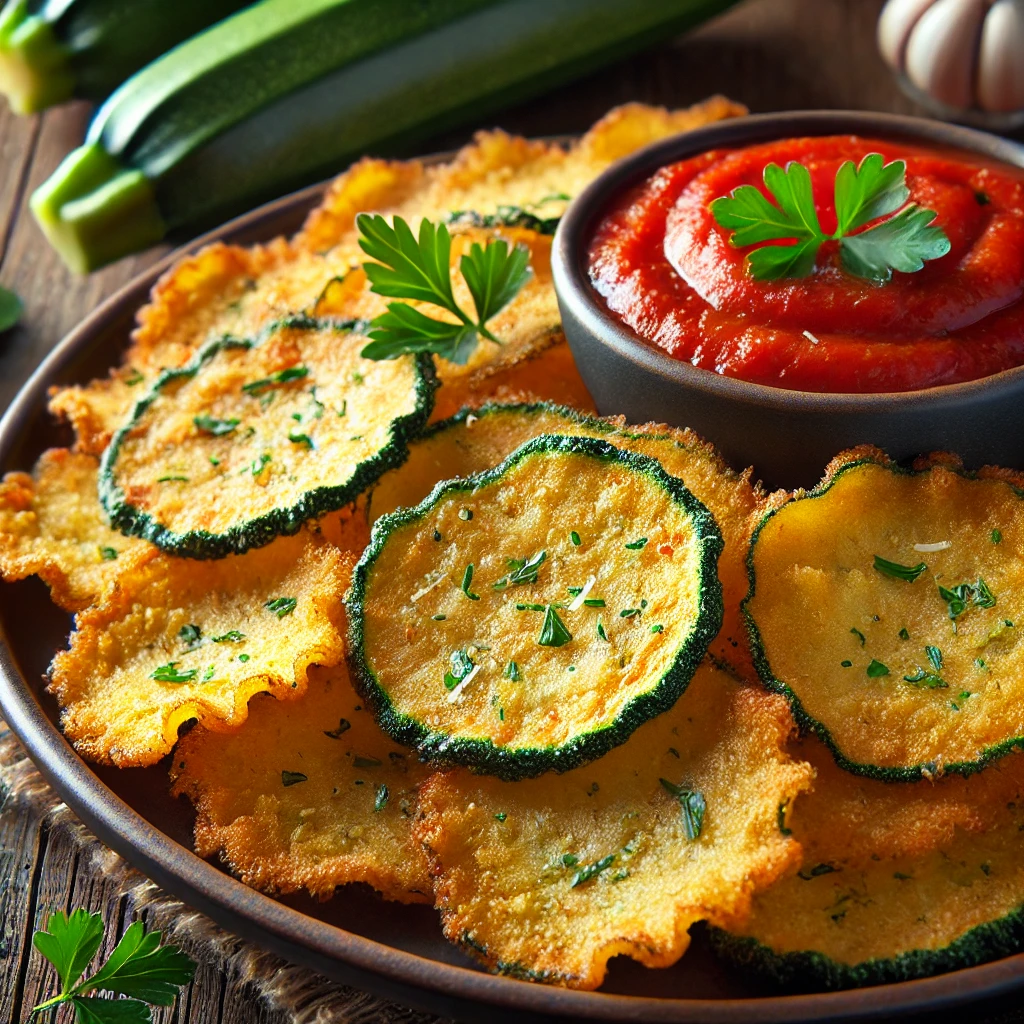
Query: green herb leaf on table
[10, 309]
[903, 242]
[418, 269]
[139, 967]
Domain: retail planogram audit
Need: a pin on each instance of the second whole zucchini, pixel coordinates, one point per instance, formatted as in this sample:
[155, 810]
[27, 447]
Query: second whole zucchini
[284, 92]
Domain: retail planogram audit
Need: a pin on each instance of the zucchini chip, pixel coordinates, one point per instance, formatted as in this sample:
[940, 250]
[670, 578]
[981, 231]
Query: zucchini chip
[550, 878]
[250, 440]
[177, 640]
[478, 439]
[897, 881]
[530, 618]
[887, 604]
[307, 795]
[53, 526]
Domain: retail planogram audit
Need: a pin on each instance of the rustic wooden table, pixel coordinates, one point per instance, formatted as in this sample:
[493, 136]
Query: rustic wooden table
[769, 54]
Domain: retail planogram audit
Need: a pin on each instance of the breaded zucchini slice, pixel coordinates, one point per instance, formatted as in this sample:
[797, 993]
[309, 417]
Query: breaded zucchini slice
[935, 883]
[250, 440]
[888, 605]
[478, 439]
[531, 617]
[53, 526]
[177, 640]
[548, 879]
[308, 794]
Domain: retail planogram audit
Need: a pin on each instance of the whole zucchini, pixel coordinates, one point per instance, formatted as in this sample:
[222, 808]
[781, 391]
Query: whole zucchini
[285, 91]
[53, 50]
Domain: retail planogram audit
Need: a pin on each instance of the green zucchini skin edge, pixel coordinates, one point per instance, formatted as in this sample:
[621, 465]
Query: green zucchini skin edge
[906, 773]
[255, 533]
[810, 969]
[482, 755]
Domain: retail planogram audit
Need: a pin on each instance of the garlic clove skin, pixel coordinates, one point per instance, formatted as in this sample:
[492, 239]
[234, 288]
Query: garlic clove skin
[895, 24]
[1000, 85]
[942, 49]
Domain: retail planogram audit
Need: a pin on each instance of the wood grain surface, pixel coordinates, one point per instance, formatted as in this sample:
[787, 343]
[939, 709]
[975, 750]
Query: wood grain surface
[769, 54]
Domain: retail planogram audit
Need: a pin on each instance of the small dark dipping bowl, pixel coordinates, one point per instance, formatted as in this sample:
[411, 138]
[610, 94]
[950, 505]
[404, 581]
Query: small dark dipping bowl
[787, 436]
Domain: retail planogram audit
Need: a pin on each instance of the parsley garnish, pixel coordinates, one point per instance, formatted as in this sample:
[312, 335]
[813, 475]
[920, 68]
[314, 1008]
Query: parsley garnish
[380, 801]
[191, 635]
[139, 967]
[960, 596]
[594, 602]
[693, 805]
[637, 544]
[934, 656]
[169, 674]
[243, 657]
[133, 378]
[524, 570]
[876, 669]
[232, 636]
[592, 870]
[467, 582]
[419, 269]
[904, 634]
[209, 673]
[293, 778]
[462, 664]
[862, 194]
[512, 671]
[847, 663]
[172, 479]
[281, 377]
[601, 631]
[575, 538]
[211, 425]
[108, 554]
[629, 613]
[658, 629]
[553, 632]
[281, 606]
[297, 438]
[569, 860]
[343, 727]
[926, 680]
[257, 467]
[908, 573]
[997, 536]
[501, 816]
[859, 635]
[10, 309]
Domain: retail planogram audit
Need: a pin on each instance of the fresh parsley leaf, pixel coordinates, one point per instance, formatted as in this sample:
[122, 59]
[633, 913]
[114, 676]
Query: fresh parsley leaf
[869, 191]
[467, 582]
[218, 428]
[934, 656]
[876, 669]
[553, 632]
[863, 193]
[926, 680]
[298, 438]
[232, 636]
[461, 665]
[169, 674]
[11, 309]
[190, 635]
[694, 807]
[524, 570]
[108, 554]
[591, 871]
[69, 943]
[257, 387]
[139, 967]
[418, 269]
[281, 606]
[904, 243]
[909, 573]
[512, 671]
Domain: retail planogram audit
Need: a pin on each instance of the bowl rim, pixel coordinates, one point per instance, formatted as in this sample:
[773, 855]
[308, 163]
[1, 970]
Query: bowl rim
[344, 956]
[580, 298]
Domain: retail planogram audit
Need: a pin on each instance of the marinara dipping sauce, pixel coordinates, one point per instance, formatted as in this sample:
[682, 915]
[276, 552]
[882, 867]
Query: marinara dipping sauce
[667, 269]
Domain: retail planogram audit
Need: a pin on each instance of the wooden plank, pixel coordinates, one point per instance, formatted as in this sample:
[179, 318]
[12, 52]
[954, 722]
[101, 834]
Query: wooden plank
[17, 142]
[55, 299]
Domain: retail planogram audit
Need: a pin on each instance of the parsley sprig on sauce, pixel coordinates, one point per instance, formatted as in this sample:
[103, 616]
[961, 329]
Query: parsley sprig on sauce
[903, 241]
[414, 268]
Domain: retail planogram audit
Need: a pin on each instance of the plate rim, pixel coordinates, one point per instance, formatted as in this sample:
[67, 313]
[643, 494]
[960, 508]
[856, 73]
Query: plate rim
[341, 955]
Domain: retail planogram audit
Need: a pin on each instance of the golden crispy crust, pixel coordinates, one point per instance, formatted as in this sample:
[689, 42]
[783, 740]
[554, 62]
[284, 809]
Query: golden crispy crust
[505, 855]
[52, 526]
[116, 712]
[293, 800]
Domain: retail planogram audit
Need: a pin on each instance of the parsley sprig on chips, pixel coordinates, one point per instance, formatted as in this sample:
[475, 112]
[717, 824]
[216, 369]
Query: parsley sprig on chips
[903, 241]
[139, 968]
[414, 268]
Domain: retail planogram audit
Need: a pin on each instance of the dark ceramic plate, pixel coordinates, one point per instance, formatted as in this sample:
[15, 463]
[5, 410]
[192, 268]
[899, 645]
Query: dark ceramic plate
[356, 938]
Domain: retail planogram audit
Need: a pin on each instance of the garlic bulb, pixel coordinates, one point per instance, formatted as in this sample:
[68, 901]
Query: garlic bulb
[962, 55]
